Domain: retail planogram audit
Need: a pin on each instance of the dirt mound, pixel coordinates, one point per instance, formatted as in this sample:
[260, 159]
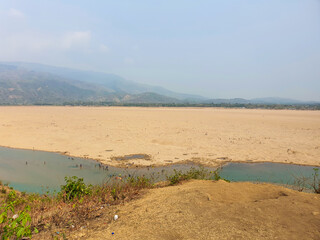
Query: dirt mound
[213, 210]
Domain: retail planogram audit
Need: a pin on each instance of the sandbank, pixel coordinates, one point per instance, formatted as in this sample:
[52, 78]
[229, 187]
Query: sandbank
[209, 136]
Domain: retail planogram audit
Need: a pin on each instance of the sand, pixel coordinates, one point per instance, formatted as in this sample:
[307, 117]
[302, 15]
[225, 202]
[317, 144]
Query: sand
[212, 210]
[168, 135]
[196, 209]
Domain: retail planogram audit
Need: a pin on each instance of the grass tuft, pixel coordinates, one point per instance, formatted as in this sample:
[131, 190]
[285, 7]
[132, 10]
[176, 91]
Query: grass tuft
[194, 173]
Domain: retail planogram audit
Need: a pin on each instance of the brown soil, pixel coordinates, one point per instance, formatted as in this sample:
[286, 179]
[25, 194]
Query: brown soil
[212, 210]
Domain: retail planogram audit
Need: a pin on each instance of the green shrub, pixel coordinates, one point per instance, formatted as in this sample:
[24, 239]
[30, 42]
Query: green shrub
[114, 193]
[12, 197]
[15, 225]
[175, 178]
[75, 188]
[194, 173]
[140, 182]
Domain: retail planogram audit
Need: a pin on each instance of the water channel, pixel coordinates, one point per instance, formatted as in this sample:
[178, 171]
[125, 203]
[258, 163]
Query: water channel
[39, 171]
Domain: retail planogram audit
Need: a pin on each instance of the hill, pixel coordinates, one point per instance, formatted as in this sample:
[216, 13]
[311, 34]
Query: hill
[32, 83]
[110, 82]
[22, 86]
[209, 210]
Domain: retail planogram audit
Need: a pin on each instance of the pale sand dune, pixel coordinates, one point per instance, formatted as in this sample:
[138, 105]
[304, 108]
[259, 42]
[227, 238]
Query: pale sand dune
[205, 135]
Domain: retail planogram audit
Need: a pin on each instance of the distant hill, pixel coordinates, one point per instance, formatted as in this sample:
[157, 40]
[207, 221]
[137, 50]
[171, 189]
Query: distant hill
[22, 86]
[263, 101]
[109, 82]
[276, 100]
[31, 83]
[148, 97]
[228, 101]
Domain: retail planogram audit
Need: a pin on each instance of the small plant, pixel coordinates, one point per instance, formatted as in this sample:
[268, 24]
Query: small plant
[300, 183]
[12, 197]
[194, 173]
[316, 181]
[140, 182]
[114, 194]
[15, 225]
[75, 188]
[176, 177]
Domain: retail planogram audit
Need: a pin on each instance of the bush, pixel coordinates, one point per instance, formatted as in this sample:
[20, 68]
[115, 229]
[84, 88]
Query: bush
[139, 182]
[75, 188]
[194, 173]
[15, 225]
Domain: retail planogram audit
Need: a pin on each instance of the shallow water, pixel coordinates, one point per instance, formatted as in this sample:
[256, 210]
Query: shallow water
[266, 172]
[37, 171]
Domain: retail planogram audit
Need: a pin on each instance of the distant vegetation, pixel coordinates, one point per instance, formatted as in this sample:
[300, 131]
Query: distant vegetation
[200, 105]
[197, 105]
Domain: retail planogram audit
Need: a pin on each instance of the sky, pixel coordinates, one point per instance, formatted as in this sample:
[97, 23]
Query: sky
[214, 48]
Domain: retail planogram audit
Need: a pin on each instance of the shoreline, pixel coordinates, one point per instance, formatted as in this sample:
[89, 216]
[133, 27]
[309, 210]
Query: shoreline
[184, 162]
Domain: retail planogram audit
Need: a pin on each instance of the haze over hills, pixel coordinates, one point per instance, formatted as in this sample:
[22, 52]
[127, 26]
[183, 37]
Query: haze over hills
[20, 84]
[108, 82]
[267, 100]
[31, 83]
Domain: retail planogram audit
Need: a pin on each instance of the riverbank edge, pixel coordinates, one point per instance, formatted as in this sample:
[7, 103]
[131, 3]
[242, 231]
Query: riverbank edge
[192, 161]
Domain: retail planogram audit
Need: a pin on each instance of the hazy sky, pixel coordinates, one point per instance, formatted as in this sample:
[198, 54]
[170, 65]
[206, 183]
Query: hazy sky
[219, 49]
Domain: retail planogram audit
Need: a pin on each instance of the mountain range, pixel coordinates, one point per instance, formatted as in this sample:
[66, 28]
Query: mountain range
[31, 83]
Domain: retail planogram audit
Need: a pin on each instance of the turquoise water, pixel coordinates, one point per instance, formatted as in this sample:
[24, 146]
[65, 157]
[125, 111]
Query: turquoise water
[266, 172]
[37, 171]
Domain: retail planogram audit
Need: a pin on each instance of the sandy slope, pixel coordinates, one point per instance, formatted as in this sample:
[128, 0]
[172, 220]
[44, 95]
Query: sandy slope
[213, 210]
[205, 135]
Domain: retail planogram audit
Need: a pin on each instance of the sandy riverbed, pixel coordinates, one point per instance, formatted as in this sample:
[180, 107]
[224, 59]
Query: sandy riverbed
[168, 135]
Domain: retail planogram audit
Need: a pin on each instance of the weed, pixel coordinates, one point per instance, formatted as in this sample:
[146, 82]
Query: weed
[194, 173]
[300, 183]
[12, 197]
[176, 177]
[114, 194]
[315, 184]
[17, 225]
[75, 188]
[140, 182]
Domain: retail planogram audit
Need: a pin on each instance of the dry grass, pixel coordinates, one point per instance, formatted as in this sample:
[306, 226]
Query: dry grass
[52, 213]
[65, 212]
